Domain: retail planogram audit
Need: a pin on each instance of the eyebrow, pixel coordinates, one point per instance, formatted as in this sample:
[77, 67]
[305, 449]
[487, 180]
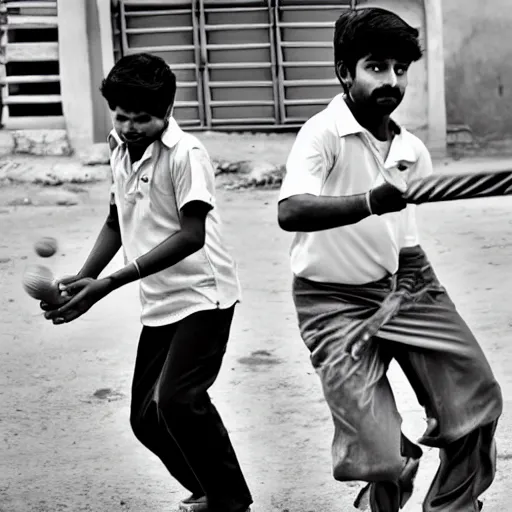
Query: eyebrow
[375, 58]
[136, 116]
[379, 58]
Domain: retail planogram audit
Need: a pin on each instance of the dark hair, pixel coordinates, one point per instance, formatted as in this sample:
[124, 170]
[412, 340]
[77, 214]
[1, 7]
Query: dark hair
[140, 83]
[376, 32]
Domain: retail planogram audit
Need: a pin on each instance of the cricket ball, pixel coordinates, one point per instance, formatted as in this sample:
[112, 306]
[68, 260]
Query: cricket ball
[46, 247]
[39, 282]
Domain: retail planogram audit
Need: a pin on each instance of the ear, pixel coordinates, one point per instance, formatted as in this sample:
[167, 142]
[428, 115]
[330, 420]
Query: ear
[344, 75]
[168, 115]
[169, 111]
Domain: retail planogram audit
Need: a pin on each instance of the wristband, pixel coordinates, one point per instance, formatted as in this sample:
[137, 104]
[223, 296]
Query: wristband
[368, 202]
[136, 265]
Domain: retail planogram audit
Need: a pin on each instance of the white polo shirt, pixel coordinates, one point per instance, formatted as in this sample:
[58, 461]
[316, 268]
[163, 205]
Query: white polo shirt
[333, 155]
[149, 195]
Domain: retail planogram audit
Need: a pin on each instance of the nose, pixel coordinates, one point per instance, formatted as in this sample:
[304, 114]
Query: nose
[127, 127]
[391, 78]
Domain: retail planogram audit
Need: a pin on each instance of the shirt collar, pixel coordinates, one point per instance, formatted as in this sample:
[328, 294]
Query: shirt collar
[113, 140]
[172, 134]
[170, 137]
[346, 123]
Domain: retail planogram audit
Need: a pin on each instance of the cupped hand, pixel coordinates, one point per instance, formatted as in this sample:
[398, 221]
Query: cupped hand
[64, 296]
[83, 293]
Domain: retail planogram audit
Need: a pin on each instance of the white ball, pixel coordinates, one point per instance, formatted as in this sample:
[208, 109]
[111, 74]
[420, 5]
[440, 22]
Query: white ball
[39, 283]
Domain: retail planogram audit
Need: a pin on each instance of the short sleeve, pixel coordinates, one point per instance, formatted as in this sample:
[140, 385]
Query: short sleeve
[194, 178]
[424, 165]
[306, 166]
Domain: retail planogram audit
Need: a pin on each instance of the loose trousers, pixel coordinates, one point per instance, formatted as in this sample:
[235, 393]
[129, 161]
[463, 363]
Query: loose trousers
[353, 333]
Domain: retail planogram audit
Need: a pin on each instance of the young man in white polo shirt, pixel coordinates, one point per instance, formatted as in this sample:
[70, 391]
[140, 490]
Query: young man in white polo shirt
[163, 214]
[365, 292]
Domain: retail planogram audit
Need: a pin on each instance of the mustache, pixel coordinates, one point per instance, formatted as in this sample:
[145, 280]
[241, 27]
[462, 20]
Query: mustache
[387, 92]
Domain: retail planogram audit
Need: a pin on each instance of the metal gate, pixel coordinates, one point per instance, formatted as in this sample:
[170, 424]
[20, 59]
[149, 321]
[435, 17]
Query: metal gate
[240, 64]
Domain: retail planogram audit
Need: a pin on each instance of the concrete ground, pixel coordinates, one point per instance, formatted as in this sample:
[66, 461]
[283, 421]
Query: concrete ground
[66, 443]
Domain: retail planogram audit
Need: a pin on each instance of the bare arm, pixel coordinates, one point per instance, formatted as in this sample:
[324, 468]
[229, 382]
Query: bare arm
[307, 212]
[105, 248]
[109, 240]
[173, 249]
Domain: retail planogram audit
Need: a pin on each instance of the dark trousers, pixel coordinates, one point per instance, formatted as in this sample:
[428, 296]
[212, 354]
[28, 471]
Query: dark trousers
[171, 412]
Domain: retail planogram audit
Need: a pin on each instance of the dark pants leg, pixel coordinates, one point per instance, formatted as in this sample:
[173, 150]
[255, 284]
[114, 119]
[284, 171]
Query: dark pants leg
[467, 468]
[454, 382]
[172, 414]
[147, 427]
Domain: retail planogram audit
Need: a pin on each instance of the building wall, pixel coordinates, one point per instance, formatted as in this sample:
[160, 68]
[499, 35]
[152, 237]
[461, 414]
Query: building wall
[421, 111]
[478, 65]
[101, 118]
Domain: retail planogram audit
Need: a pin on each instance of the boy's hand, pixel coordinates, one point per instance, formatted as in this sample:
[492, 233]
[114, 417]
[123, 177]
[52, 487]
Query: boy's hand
[65, 281]
[83, 294]
[386, 198]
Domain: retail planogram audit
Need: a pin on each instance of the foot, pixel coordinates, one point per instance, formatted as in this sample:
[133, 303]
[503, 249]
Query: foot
[389, 495]
[194, 503]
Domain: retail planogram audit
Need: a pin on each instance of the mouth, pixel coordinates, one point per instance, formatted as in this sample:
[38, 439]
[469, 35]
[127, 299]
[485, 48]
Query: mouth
[387, 100]
[132, 139]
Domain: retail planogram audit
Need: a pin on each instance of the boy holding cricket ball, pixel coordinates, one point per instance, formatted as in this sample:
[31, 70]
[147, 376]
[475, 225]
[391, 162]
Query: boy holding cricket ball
[164, 216]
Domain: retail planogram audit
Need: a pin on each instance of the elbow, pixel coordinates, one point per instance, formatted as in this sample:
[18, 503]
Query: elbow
[196, 241]
[285, 224]
[287, 216]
